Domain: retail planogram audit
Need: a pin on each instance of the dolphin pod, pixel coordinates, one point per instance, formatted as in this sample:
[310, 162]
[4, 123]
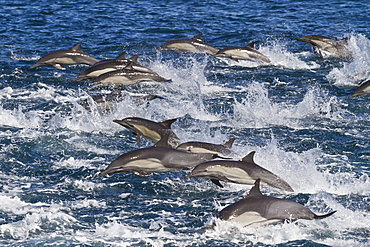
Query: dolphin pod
[205, 160]
[256, 208]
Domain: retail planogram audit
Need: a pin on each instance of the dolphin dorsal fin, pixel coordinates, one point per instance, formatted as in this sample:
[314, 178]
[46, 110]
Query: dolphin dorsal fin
[255, 191]
[121, 56]
[76, 47]
[129, 65]
[249, 157]
[229, 143]
[134, 58]
[168, 123]
[197, 36]
[251, 45]
[163, 142]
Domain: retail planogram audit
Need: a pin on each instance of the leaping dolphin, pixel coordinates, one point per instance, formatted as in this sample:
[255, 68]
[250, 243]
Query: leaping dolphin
[70, 56]
[205, 147]
[125, 77]
[159, 158]
[109, 65]
[256, 208]
[193, 45]
[242, 53]
[362, 90]
[245, 171]
[327, 47]
[151, 130]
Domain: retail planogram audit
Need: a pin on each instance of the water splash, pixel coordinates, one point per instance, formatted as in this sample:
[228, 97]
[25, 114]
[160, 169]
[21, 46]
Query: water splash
[357, 70]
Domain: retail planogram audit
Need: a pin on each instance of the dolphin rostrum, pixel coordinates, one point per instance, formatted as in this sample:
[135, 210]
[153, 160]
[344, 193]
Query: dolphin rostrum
[245, 171]
[256, 208]
[158, 158]
[193, 45]
[70, 56]
[205, 147]
[327, 47]
[151, 130]
[242, 53]
[109, 65]
[124, 77]
[362, 90]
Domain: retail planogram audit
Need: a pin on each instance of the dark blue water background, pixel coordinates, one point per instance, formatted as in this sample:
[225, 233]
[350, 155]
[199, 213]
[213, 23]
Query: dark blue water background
[295, 113]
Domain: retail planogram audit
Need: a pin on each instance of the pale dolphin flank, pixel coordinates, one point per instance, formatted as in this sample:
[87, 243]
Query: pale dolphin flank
[242, 53]
[362, 90]
[193, 45]
[124, 77]
[151, 130]
[327, 47]
[159, 158]
[106, 101]
[70, 56]
[205, 147]
[256, 208]
[245, 171]
[109, 65]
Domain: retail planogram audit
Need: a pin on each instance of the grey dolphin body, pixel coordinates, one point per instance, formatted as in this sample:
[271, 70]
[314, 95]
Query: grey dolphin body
[151, 130]
[159, 158]
[124, 77]
[193, 45]
[111, 65]
[245, 171]
[256, 208]
[242, 53]
[70, 56]
[327, 47]
[362, 90]
[106, 101]
[205, 147]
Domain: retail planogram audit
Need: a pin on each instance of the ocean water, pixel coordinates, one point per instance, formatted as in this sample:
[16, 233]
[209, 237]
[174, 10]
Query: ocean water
[295, 113]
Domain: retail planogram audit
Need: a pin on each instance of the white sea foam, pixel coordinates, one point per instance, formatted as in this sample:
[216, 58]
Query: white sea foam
[356, 70]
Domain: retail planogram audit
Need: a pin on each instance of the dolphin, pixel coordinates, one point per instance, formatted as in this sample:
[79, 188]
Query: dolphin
[362, 90]
[70, 56]
[106, 101]
[153, 131]
[193, 45]
[124, 77]
[109, 65]
[204, 147]
[256, 208]
[242, 53]
[327, 47]
[158, 158]
[244, 171]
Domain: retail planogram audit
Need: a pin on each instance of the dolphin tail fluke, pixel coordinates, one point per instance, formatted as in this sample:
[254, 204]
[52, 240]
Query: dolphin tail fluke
[324, 216]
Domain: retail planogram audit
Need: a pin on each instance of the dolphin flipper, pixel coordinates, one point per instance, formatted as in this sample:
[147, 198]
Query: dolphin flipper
[217, 182]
